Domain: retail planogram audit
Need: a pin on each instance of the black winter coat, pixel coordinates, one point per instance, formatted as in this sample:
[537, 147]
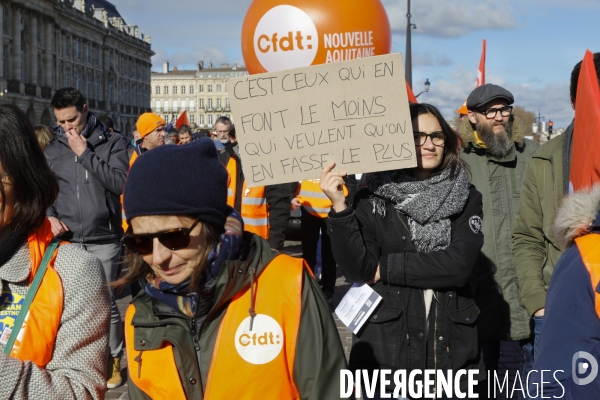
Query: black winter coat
[396, 336]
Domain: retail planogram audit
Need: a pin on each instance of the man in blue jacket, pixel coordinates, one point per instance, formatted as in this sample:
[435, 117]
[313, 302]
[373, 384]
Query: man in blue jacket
[91, 164]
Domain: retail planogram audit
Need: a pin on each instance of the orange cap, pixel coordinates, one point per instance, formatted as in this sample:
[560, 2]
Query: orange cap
[463, 110]
[147, 122]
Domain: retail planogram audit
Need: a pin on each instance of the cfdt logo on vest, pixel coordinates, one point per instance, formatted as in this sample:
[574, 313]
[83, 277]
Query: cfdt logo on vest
[285, 38]
[263, 343]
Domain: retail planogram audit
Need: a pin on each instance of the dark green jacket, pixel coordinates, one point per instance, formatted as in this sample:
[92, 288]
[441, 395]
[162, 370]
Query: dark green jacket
[535, 247]
[319, 353]
[499, 181]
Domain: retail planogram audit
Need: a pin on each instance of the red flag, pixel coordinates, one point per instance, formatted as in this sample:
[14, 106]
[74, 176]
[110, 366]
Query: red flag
[585, 163]
[411, 95]
[480, 78]
[182, 120]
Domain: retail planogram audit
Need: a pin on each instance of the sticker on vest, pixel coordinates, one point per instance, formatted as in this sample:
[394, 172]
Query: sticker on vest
[261, 345]
[475, 223]
[10, 306]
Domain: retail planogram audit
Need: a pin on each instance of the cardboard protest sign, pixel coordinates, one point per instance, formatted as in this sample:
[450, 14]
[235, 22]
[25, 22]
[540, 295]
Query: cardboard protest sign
[291, 123]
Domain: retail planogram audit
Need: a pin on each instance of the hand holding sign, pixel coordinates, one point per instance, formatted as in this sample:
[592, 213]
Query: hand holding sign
[332, 184]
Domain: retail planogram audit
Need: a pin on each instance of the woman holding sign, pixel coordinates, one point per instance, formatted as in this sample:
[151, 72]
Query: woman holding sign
[414, 235]
[54, 303]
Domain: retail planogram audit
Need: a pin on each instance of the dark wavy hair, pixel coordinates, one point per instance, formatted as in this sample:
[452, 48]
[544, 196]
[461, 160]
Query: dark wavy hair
[453, 143]
[35, 186]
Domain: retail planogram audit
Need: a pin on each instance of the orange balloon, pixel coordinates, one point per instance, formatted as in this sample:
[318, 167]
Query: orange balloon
[279, 35]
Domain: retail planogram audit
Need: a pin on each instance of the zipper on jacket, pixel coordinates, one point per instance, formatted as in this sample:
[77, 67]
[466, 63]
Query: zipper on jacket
[79, 204]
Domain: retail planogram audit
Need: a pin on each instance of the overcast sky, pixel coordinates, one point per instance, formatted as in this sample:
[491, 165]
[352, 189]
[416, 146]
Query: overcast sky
[532, 45]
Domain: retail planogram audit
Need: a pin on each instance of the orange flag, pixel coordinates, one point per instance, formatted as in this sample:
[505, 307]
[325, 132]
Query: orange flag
[182, 120]
[480, 78]
[411, 95]
[585, 163]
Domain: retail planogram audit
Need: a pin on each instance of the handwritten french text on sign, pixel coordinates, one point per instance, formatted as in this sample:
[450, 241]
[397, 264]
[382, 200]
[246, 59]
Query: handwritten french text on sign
[291, 123]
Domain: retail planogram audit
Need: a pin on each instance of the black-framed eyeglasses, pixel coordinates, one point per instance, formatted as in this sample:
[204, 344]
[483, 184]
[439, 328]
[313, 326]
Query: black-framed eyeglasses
[437, 138]
[173, 239]
[491, 113]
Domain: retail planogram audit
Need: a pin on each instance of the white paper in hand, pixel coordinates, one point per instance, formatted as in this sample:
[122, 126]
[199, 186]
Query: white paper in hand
[357, 306]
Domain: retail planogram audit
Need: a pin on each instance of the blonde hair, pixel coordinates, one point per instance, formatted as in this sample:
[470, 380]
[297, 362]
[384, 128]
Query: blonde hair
[43, 134]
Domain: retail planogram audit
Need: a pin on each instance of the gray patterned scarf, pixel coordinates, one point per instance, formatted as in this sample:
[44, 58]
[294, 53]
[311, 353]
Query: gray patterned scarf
[428, 203]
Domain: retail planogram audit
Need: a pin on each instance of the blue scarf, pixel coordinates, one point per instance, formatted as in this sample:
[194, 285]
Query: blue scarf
[178, 296]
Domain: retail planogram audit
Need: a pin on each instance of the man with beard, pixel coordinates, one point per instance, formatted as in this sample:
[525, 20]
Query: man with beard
[496, 151]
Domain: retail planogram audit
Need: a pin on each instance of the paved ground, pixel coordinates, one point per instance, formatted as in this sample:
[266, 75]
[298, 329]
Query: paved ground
[509, 361]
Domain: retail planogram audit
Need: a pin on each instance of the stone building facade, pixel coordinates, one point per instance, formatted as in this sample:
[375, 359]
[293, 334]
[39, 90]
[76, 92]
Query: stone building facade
[50, 44]
[202, 92]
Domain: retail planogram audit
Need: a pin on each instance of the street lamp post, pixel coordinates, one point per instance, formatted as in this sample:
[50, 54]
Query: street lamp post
[427, 84]
[409, 26]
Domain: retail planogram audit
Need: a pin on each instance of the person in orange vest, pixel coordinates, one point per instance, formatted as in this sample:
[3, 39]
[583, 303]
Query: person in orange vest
[315, 207]
[571, 332]
[151, 128]
[222, 315]
[54, 301]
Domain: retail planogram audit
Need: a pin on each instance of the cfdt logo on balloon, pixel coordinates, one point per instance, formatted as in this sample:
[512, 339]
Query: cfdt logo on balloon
[280, 34]
[285, 37]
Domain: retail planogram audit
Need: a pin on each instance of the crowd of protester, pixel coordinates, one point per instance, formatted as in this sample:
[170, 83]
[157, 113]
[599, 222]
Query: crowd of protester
[482, 242]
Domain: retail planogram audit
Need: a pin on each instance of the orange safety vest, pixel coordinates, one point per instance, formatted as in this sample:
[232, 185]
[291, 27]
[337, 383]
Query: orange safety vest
[254, 211]
[38, 333]
[231, 182]
[589, 248]
[314, 200]
[261, 360]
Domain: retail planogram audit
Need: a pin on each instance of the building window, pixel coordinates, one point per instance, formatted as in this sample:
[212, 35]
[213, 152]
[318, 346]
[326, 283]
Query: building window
[88, 58]
[97, 88]
[158, 90]
[157, 105]
[200, 88]
[210, 119]
[166, 91]
[174, 89]
[88, 86]
[218, 103]
[97, 56]
[68, 77]
[226, 103]
[201, 103]
[192, 119]
[191, 89]
[200, 119]
[192, 105]
[166, 106]
[174, 106]
[209, 103]
[78, 80]
[183, 90]
[183, 103]
[68, 47]
[209, 88]
[77, 50]
[166, 118]
[218, 88]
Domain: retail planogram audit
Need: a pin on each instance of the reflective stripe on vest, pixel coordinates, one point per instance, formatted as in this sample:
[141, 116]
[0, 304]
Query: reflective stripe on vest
[268, 351]
[314, 200]
[232, 182]
[38, 334]
[589, 248]
[254, 211]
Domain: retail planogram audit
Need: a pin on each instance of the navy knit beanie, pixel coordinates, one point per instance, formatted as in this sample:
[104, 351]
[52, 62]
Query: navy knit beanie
[178, 180]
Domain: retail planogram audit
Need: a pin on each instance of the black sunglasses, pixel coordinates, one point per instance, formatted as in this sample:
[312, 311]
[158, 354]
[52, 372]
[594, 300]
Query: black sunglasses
[172, 239]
